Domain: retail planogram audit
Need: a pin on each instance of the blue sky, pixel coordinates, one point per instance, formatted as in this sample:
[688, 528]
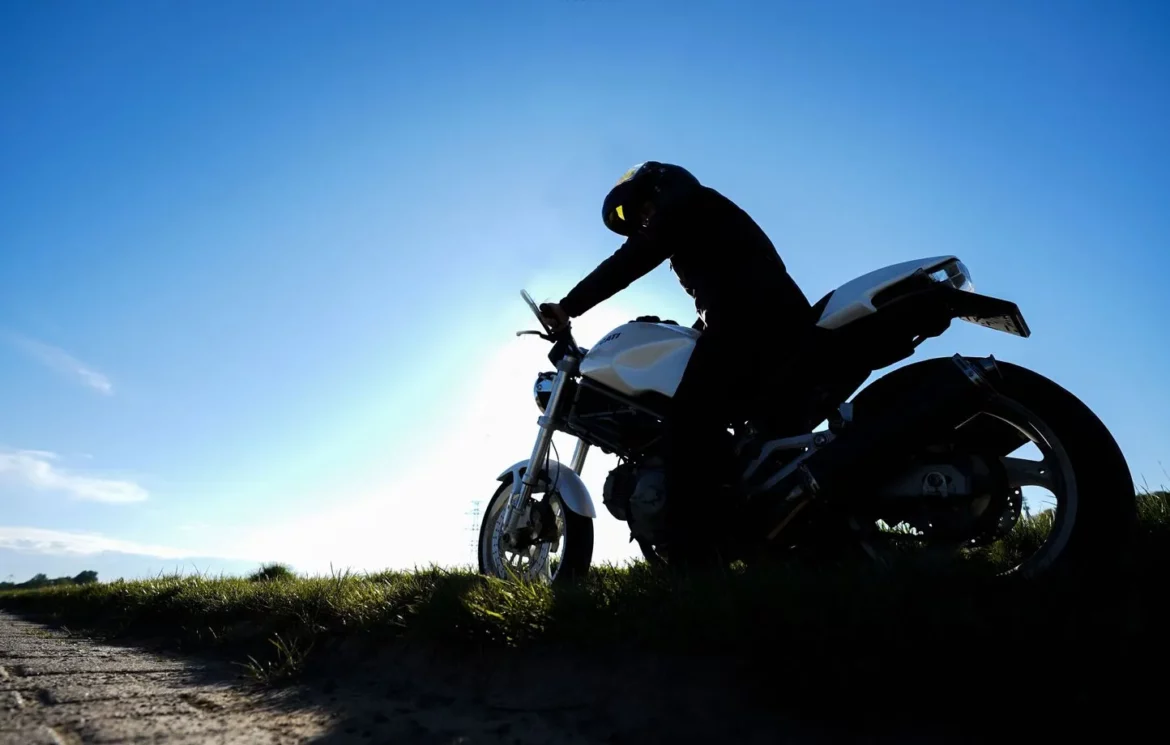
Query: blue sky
[260, 262]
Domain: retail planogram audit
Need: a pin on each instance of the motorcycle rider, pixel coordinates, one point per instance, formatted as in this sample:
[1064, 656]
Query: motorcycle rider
[749, 309]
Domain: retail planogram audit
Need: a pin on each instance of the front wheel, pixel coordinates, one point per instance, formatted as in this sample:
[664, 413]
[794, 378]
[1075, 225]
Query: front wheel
[560, 556]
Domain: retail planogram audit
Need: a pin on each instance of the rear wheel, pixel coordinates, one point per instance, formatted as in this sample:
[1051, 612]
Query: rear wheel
[1082, 528]
[559, 556]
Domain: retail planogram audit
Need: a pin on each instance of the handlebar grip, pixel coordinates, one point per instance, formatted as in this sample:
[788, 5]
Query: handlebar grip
[550, 321]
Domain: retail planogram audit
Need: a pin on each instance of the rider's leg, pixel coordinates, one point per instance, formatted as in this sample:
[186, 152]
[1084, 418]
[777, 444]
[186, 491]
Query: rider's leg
[728, 370]
[695, 444]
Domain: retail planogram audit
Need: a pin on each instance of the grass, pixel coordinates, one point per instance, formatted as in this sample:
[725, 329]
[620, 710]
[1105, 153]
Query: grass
[814, 635]
[287, 665]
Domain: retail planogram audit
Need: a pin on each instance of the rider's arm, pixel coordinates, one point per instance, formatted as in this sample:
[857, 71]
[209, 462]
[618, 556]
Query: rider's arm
[636, 258]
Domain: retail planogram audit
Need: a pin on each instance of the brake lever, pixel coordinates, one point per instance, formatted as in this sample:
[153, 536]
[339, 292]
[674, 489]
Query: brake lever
[541, 334]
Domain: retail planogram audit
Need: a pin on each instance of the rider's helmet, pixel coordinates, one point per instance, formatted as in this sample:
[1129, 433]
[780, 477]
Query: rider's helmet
[650, 182]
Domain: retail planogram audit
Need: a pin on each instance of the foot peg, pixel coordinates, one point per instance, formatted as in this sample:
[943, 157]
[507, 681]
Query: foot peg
[799, 489]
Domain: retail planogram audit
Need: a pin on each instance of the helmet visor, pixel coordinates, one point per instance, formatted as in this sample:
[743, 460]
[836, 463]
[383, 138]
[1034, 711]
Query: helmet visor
[615, 220]
[613, 211]
[629, 174]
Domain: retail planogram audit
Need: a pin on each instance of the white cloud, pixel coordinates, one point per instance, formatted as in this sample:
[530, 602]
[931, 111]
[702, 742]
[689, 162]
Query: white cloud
[36, 469]
[58, 542]
[62, 362]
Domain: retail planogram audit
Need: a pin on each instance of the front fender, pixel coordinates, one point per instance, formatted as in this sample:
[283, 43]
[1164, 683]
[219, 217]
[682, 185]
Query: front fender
[569, 485]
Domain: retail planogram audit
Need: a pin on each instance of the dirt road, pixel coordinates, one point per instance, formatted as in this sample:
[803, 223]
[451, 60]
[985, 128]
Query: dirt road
[57, 688]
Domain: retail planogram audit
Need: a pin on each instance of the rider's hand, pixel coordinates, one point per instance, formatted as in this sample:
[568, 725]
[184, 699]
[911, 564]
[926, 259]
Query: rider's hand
[554, 316]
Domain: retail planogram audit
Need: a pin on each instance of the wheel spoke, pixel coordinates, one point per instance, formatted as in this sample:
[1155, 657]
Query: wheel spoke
[995, 539]
[531, 563]
[1022, 472]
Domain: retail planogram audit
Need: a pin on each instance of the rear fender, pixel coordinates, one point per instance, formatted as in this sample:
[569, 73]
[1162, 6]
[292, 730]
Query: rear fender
[984, 434]
[932, 308]
[570, 486]
[991, 312]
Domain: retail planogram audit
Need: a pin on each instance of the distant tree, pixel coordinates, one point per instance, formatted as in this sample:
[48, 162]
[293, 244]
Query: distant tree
[42, 580]
[272, 573]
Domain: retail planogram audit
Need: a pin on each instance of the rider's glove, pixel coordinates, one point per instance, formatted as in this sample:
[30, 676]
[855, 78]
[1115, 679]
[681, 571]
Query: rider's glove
[554, 316]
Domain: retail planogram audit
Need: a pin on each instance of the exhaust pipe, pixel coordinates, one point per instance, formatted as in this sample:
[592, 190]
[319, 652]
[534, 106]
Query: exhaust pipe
[872, 449]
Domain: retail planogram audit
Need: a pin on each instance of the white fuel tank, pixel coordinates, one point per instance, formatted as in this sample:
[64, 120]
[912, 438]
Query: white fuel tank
[638, 358]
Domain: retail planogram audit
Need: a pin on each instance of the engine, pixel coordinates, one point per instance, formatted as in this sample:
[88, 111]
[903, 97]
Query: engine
[636, 493]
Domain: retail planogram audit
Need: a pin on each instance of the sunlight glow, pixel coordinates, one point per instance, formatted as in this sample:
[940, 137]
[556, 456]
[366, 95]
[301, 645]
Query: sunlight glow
[423, 515]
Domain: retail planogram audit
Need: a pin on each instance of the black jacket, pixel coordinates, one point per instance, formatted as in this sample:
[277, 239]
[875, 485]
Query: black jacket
[721, 257]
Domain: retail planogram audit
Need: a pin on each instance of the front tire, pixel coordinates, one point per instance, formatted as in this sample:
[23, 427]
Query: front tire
[540, 563]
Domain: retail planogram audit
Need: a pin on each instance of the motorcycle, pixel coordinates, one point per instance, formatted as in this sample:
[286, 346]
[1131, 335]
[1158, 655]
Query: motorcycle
[922, 458]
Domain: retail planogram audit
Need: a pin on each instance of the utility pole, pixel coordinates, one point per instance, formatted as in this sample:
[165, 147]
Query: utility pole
[473, 529]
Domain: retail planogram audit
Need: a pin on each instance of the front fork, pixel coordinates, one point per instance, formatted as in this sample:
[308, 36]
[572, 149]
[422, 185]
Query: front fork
[522, 491]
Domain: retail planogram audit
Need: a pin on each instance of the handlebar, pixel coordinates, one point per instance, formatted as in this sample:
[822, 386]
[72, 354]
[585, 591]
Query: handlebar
[561, 340]
[535, 310]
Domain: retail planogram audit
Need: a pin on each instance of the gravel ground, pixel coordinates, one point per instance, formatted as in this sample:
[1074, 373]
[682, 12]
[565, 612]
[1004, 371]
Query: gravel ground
[60, 688]
[56, 688]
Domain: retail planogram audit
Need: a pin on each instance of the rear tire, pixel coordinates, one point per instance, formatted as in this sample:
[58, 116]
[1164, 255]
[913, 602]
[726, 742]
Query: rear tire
[1105, 511]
